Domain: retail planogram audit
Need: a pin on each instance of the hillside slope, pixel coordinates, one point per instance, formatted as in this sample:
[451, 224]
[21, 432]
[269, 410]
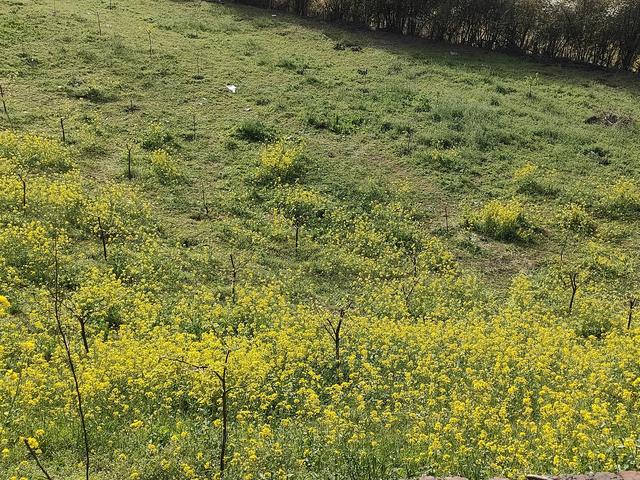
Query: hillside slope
[451, 128]
[376, 259]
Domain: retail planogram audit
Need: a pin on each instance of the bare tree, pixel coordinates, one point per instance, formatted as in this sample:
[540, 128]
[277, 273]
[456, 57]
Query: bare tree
[225, 388]
[23, 181]
[103, 235]
[335, 331]
[4, 103]
[632, 304]
[64, 136]
[57, 310]
[573, 279]
[34, 455]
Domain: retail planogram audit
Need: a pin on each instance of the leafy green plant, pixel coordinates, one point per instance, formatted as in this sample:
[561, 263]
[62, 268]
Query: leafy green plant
[157, 137]
[254, 131]
[342, 125]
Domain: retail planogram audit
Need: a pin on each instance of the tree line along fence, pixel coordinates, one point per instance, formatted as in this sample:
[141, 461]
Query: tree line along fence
[605, 33]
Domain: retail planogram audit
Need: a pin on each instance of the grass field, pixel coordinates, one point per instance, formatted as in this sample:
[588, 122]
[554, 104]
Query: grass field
[471, 220]
[448, 126]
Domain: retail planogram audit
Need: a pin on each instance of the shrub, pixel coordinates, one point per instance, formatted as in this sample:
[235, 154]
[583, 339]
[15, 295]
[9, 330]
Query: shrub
[593, 318]
[164, 166]
[157, 137]
[527, 180]
[575, 218]
[623, 198]
[123, 213]
[502, 221]
[301, 205]
[525, 176]
[335, 123]
[26, 253]
[444, 159]
[595, 325]
[4, 306]
[602, 261]
[33, 154]
[254, 131]
[279, 162]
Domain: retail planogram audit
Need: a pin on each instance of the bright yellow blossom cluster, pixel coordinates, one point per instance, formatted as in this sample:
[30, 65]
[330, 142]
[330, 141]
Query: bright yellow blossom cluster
[503, 220]
[279, 161]
[419, 370]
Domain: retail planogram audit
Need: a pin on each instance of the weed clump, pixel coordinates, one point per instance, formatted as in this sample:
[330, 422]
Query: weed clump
[622, 198]
[347, 45]
[575, 218]
[444, 159]
[164, 166]
[341, 125]
[527, 180]
[279, 163]
[254, 131]
[92, 93]
[158, 137]
[293, 64]
[504, 90]
[502, 221]
[599, 154]
[609, 119]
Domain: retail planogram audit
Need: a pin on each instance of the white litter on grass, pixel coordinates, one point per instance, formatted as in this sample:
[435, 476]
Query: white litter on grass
[232, 88]
[453, 53]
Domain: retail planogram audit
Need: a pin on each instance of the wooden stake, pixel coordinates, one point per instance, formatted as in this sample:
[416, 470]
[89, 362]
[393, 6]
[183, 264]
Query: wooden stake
[129, 174]
[4, 103]
[64, 138]
[573, 278]
[234, 278]
[446, 219]
[103, 238]
[632, 304]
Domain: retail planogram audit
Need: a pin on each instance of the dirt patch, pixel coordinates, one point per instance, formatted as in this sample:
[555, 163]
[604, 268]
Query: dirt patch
[609, 119]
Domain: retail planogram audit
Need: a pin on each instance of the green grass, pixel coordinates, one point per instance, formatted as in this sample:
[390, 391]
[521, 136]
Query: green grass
[393, 127]
[402, 140]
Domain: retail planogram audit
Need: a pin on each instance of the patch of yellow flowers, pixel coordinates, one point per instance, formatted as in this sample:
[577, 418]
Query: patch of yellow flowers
[428, 374]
